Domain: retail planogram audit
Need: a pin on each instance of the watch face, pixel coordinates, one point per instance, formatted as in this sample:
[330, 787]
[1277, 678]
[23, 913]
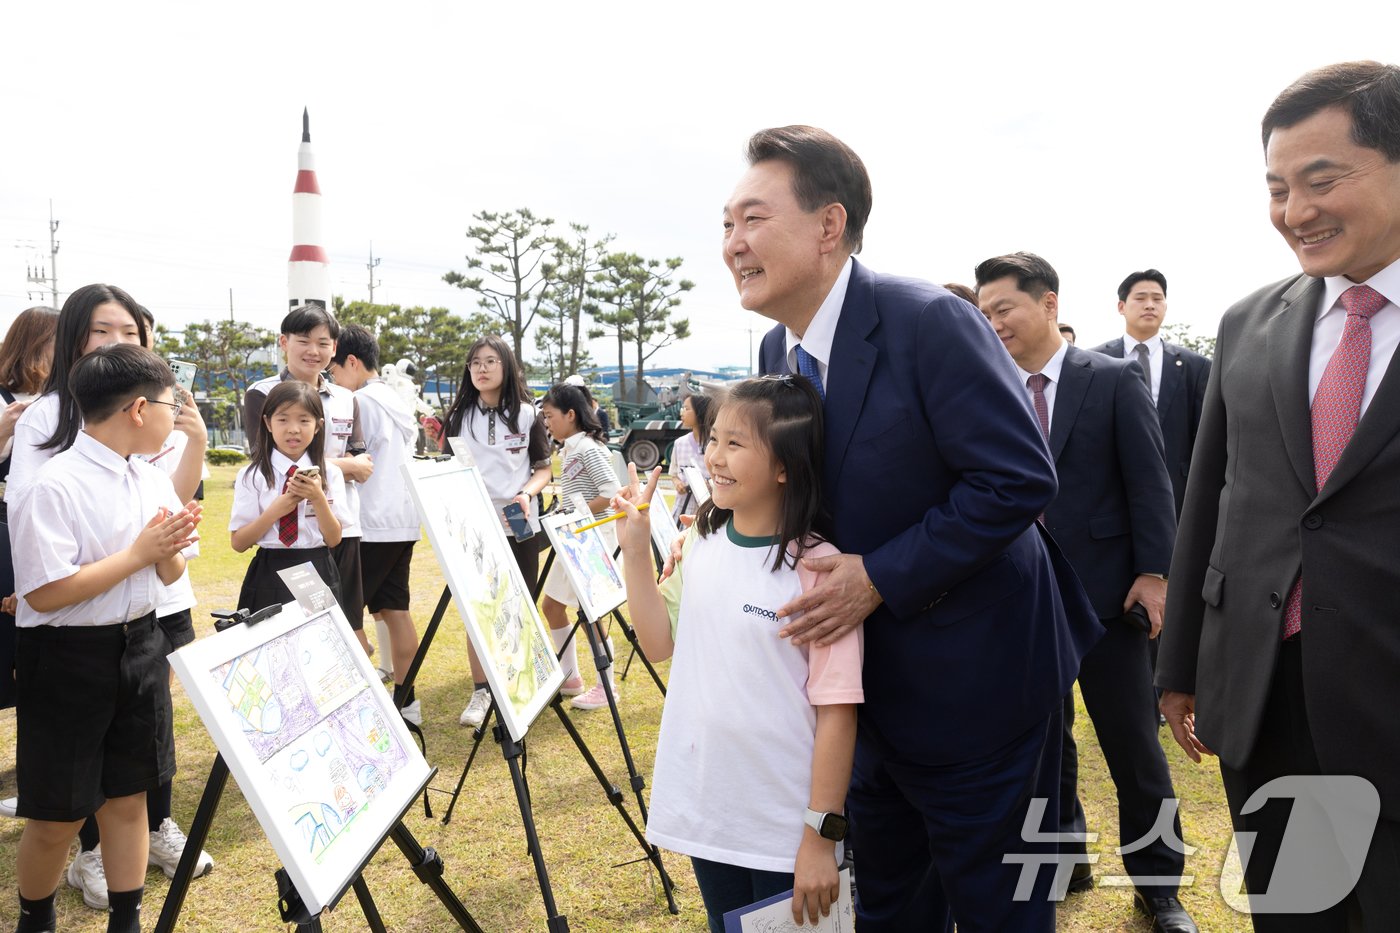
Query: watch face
[834, 827]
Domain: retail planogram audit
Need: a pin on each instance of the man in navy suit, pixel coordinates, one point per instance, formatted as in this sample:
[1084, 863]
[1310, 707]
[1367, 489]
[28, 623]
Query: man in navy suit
[1114, 518]
[934, 474]
[1176, 376]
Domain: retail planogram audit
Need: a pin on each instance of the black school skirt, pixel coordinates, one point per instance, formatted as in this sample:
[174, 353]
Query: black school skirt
[261, 585]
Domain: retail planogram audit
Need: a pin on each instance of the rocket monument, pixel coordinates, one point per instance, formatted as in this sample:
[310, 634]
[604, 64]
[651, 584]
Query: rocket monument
[308, 268]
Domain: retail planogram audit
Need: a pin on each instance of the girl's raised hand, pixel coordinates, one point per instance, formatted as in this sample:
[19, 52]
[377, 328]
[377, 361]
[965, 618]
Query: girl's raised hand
[188, 421]
[634, 531]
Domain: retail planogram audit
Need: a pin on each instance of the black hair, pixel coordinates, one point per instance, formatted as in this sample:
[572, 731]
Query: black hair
[963, 292]
[149, 317]
[110, 378]
[567, 398]
[1066, 329]
[74, 322]
[303, 319]
[356, 340]
[824, 171]
[787, 418]
[1147, 275]
[290, 392]
[1034, 275]
[700, 403]
[1370, 91]
[514, 392]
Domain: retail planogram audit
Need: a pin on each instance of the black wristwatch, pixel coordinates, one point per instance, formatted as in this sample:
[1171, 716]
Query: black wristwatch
[831, 826]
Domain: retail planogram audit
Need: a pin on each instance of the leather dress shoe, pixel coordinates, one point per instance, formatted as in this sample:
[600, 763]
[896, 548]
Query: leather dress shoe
[1168, 916]
[1081, 878]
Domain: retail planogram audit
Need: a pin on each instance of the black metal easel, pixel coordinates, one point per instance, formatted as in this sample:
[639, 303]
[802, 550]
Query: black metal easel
[426, 863]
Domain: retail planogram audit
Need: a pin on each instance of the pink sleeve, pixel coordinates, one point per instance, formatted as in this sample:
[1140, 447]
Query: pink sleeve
[833, 672]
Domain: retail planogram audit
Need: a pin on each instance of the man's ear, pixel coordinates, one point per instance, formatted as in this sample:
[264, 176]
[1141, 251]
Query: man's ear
[833, 219]
[1052, 305]
[1121, 306]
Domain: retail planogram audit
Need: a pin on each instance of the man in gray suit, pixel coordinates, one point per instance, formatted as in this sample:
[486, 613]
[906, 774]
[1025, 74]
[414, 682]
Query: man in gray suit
[1281, 648]
[1176, 376]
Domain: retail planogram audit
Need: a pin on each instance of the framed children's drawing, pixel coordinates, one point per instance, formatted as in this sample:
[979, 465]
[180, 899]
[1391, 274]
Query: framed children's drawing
[664, 529]
[468, 535]
[312, 738]
[588, 562]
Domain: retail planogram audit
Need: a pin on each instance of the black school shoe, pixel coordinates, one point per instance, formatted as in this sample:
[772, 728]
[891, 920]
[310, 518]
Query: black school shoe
[1168, 916]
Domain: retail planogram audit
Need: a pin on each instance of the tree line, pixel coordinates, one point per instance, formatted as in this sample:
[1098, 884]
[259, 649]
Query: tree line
[536, 284]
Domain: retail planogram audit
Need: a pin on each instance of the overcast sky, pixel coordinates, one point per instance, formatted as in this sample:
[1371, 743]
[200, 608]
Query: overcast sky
[1106, 141]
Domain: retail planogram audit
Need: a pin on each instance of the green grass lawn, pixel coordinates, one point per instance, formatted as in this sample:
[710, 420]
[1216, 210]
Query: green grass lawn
[584, 841]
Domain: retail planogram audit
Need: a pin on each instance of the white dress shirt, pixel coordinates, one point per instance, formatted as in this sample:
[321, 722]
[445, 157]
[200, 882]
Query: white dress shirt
[821, 332]
[1051, 370]
[88, 503]
[252, 497]
[1154, 356]
[1331, 321]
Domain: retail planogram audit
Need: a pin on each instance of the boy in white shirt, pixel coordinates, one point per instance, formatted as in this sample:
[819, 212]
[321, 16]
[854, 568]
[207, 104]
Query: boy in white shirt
[102, 531]
[388, 520]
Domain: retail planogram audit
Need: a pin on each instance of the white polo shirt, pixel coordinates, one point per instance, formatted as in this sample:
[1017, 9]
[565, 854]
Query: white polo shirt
[252, 496]
[88, 503]
[390, 429]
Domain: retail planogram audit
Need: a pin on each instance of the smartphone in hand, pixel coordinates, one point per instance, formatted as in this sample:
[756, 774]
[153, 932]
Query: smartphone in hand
[519, 522]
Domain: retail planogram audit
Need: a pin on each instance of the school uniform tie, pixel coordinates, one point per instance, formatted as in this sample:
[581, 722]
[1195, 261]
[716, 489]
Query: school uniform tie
[1336, 407]
[287, 524]
[807, 366]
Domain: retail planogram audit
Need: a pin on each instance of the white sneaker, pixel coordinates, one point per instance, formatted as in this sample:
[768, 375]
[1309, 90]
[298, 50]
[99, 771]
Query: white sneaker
[595, 698]
[413, 713]
[475, 713]
[87, 875]
[168, 844]
[8, 805]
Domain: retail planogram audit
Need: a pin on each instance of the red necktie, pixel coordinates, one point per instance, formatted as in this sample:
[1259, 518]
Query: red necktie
[1336, 408]
[287, 524]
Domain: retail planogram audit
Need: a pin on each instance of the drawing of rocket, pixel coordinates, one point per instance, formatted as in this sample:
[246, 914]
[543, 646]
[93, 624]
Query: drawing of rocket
[308, 268]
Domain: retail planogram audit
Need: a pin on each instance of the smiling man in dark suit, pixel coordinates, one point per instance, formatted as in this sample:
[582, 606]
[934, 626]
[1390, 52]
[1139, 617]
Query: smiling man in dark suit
[1281, 650]
[1113, 517]
[1175, 375]
[934, 474]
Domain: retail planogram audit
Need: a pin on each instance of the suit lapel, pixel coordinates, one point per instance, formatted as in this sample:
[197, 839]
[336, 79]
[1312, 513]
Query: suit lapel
[1289, 349]
[852, 363]
[1115, 348]
[1171, 378]
[1075, 376]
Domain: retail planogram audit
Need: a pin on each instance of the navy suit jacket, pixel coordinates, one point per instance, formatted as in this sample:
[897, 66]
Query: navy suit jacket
[935, 472]
[1114, 516]
[1180, 398]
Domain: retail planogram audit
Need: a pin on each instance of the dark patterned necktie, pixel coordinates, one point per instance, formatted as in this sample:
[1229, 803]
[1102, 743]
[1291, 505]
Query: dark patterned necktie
[807, 366]
[1336, 407]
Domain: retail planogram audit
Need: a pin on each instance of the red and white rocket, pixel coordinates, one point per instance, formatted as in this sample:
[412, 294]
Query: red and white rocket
[308, 269]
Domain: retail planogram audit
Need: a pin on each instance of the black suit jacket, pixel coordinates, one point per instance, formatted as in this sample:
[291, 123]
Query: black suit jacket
[1114, 515]
[1179, 399]
[934, 473]
[1254, 519]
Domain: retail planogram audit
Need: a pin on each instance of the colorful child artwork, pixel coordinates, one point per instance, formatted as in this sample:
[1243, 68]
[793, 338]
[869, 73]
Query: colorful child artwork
[664, 529]
[311, 737]
[467, 533]
[588, 562]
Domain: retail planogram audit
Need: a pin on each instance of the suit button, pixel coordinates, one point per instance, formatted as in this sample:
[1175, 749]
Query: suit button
[1275, 600]
[1313, 522]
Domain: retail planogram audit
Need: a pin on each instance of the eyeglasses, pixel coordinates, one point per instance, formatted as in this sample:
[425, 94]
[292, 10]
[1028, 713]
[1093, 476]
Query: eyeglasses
[174, 406]
[481, 366]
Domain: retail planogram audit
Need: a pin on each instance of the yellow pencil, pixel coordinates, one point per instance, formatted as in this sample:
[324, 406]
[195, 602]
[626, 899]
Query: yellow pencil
[611, 518]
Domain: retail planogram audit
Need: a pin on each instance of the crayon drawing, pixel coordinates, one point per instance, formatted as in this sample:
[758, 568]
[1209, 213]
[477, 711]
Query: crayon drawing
[588, 562]
[468, 536]
[311, 737]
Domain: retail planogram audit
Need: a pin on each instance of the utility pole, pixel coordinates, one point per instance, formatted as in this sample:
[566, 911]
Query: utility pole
[230, 304]
[37, 274]
[371, 266]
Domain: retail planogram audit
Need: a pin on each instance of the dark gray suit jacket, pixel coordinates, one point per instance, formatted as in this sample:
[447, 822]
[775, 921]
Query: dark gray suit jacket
[1253, 518]
[1179, 399]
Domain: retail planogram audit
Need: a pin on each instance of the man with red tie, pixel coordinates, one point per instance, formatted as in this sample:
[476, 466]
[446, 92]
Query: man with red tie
[1281, 651]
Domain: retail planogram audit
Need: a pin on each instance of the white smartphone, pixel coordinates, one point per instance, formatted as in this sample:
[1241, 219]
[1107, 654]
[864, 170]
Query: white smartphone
[184, 374]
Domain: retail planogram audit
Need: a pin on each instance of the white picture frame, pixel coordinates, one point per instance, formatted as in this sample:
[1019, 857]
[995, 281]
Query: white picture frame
[664, 529]
[467, 533]
[312, 738]
[587, 559]
[699, 488]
